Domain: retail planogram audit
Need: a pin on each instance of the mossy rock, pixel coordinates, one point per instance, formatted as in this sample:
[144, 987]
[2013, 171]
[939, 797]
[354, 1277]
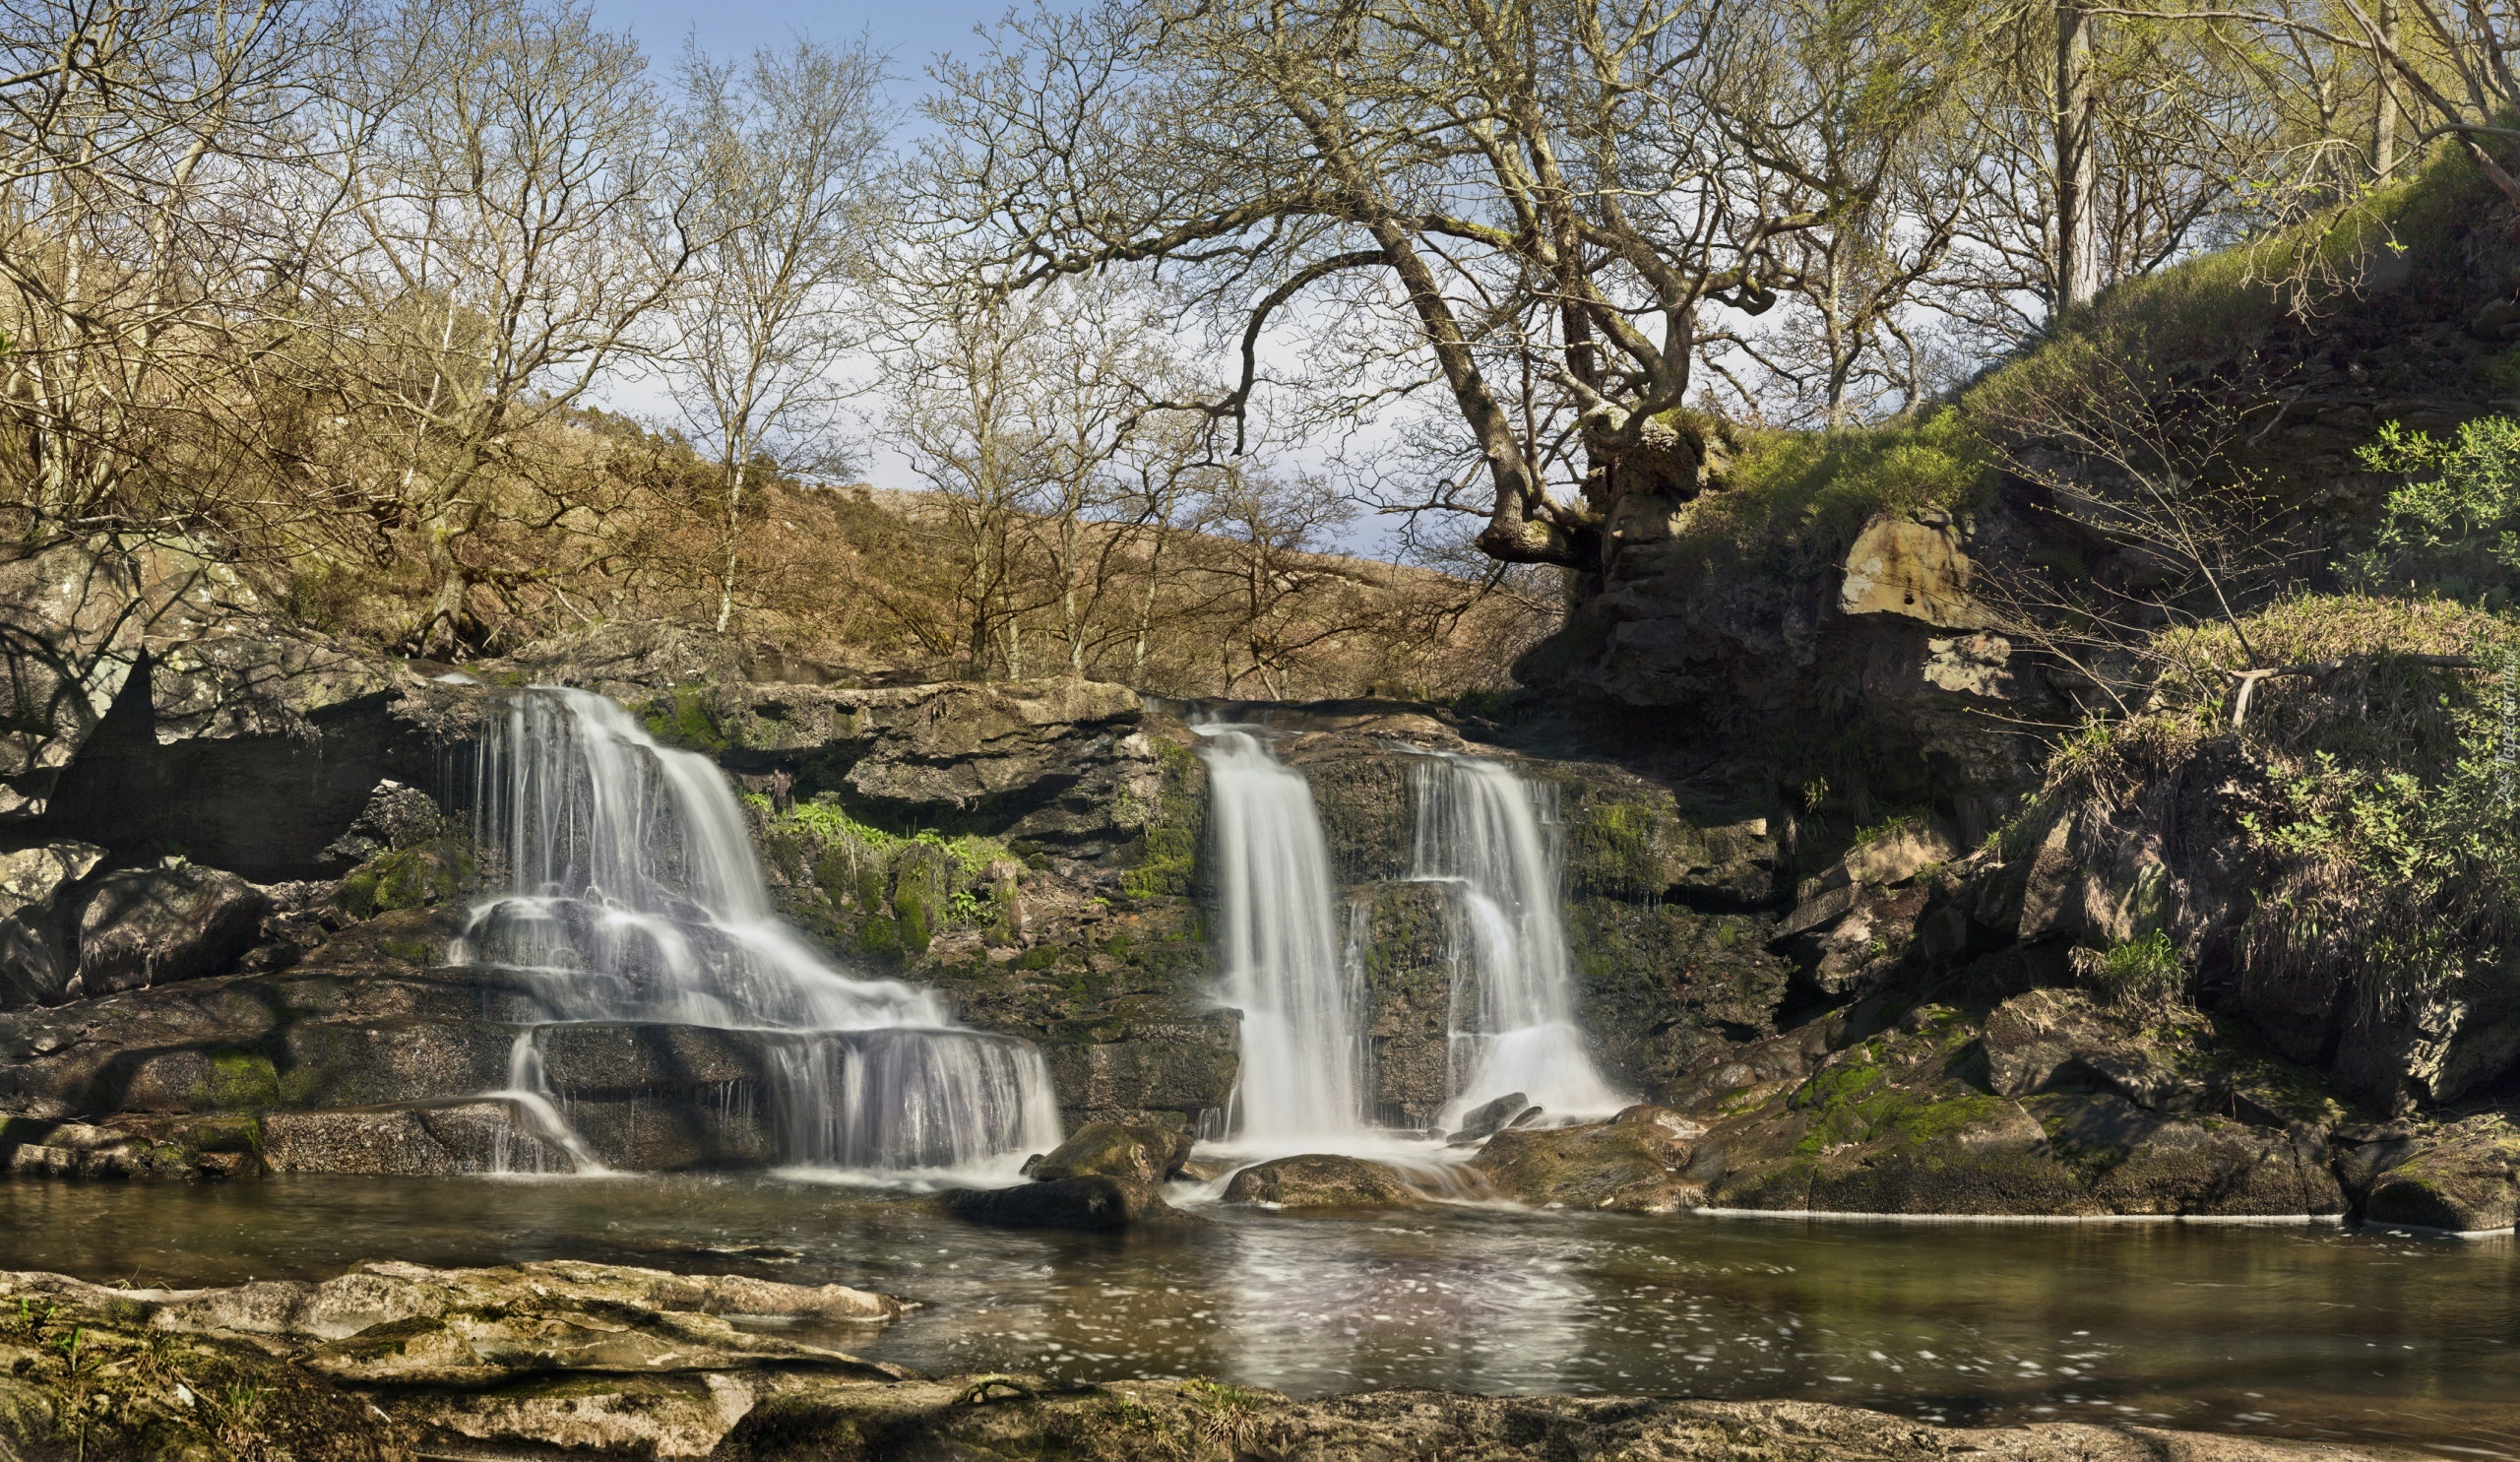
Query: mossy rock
[1626, 1167]
[1166, 863]
[437, 872]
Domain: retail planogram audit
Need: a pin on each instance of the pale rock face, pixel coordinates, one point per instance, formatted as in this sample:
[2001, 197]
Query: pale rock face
[1907, 568]
[30, 876]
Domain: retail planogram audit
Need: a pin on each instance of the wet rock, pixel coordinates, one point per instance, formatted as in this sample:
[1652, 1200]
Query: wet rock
[427, 1142]
[2139, 1163]
[147, 926]
[2464, 1177]
[1321, 1180]
[1631, 1167]
[1490, 1118]
[1113, 1150]
[1094, 1204]
[397, 817]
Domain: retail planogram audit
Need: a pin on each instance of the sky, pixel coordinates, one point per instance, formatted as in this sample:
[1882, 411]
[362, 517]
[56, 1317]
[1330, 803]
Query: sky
[911, 32]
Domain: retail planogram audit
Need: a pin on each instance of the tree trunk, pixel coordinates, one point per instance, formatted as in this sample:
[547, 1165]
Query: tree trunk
[2077, 162]
[2384, 129]
[727, 576]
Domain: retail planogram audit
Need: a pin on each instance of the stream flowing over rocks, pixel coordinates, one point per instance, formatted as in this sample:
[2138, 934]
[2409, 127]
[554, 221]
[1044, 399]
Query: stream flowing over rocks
[648, 901]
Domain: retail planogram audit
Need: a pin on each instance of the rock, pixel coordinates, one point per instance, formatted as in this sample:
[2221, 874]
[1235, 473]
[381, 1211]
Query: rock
[2464, 1178]
[30, 876]
[1321, 1180]
[1490, 1118]
[2139, 1163]
[147, 926]
[1672, 1125]
[2033, 1040]
[1902, 567]
[1110, 1150]
[35, 966]
[395, 818]
[567, 1360]
[1096, 1204]
[1898, 853]
[1631, 1167]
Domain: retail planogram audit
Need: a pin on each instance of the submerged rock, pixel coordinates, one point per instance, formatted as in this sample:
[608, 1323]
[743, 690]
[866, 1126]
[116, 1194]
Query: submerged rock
[1094, 1204]
[1114, 1150]
[1630, 1167]
[1321, 1180]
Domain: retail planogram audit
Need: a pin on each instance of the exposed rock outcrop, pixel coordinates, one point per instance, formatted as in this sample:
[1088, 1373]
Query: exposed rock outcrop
[1321, 1180]
[393, 1363]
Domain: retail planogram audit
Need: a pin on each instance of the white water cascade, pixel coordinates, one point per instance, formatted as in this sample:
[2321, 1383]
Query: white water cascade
[1303, 1052]
[634, 897]
[1513, 1000]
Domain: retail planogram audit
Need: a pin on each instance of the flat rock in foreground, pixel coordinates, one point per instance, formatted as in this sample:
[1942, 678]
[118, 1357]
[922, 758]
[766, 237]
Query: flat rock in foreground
[599, 1362]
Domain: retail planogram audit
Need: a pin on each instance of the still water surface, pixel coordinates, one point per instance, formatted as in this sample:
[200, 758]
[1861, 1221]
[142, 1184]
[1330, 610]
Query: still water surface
[2313, 1332]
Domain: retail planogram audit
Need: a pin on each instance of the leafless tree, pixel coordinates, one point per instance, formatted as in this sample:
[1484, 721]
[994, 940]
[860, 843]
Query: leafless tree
[510, 224]
[145, 273]
[1558, 187]
[785, 152]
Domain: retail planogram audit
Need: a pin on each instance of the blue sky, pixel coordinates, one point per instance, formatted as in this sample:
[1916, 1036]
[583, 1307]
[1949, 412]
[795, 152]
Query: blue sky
[911, 30]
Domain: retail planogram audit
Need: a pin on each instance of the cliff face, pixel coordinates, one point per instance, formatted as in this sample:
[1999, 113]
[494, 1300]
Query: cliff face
[230, 882]
[232, 879]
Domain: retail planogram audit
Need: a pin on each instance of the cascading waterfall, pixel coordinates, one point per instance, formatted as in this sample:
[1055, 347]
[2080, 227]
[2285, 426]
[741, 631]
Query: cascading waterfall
[1513, 1001]
[1304, 1052]
[634, 896]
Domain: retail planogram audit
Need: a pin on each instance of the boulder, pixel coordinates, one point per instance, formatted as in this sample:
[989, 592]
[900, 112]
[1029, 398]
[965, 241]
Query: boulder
[2139, 1163]
[145, 926]
[1113, 1150]
[36, 966]
[1321, 1180]
[2464, 1178]
[1094, 1204]
[1631, 1167]
[1490, 1118]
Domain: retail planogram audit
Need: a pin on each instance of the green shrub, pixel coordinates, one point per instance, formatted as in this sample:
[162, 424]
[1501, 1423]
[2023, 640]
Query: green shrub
[2144, 975]
[2457, 533]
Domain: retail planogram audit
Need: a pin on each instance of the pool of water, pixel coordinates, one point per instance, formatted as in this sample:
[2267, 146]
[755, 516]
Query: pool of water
[2297, 1331]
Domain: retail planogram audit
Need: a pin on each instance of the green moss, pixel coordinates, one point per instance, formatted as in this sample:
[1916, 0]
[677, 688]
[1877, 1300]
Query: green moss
[681, 718]
[1168, 854]
[436, 872]
[1814, 491]
[241, 1081]
[1859, 1102]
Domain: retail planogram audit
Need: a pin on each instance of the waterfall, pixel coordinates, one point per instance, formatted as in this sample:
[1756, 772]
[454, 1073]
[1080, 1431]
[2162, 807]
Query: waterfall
[633, 895]
[1303, 1073]
[1513, 1003]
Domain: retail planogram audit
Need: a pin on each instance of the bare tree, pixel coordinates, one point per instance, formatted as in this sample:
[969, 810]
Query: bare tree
[2153, 478]
[144, 269]
[511, 224]
[1560, 187]
[785, 155]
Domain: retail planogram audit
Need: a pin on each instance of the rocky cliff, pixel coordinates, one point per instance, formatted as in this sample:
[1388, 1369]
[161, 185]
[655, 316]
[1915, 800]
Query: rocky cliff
[237, 856]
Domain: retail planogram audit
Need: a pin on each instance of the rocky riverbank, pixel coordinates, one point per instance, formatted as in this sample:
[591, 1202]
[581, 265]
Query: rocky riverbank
[393, 1362]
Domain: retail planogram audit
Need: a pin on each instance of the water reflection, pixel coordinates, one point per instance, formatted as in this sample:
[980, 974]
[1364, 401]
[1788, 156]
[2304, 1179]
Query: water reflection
[2303, 1332]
